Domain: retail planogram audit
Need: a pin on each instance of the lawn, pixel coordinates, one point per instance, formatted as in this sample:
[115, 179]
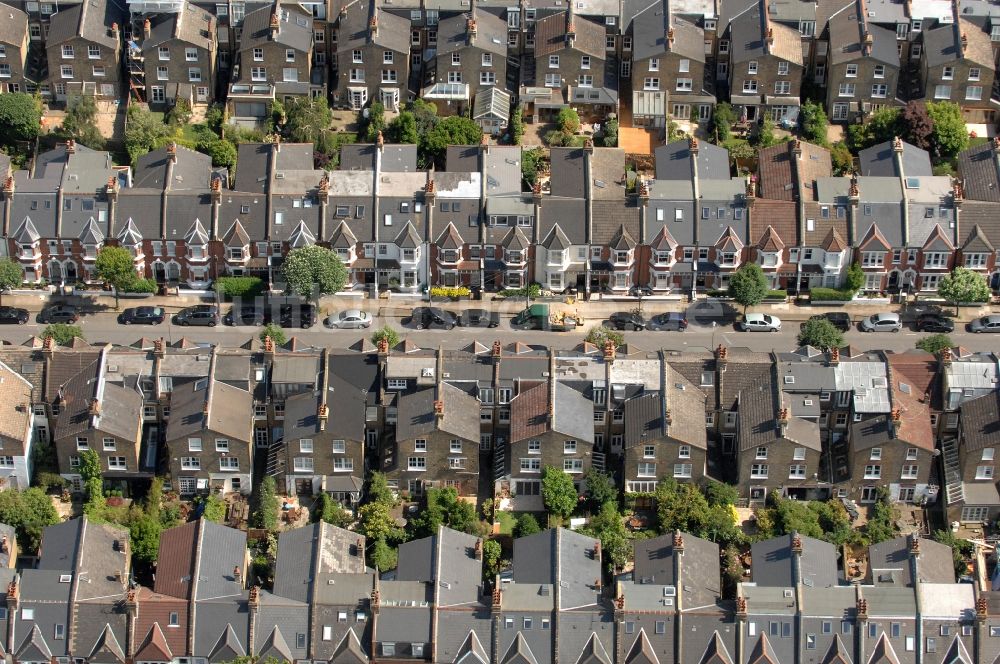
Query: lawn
[506, 521]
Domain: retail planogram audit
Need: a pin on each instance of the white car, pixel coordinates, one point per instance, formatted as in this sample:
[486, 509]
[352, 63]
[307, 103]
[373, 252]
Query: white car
[760, 323]
[352, 319]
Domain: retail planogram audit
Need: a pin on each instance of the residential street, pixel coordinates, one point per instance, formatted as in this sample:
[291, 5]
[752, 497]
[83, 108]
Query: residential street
[700, 335]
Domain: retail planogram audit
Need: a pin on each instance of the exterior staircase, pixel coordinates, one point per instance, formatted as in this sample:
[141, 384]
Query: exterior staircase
[597, 460]
[954, 491]
[499, 459]
[275, 458]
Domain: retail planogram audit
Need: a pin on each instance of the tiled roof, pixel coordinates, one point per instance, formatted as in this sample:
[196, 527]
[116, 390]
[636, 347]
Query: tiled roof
[529, 412]
[778, 216]
[978, 168]
[550, 36]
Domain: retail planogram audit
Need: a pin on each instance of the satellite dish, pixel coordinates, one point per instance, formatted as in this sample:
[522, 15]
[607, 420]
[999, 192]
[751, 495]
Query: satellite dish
[365, 113]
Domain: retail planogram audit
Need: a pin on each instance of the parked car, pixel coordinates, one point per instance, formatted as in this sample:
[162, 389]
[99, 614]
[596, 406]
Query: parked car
[839, 319]
[200, 314]
[760, 323]
[141, 316]
[59, 313]
[247, 314]
[626, 320]
[886, 322]
[989, 323]
[13, 316]
[934, 323]
[428, 317]
[352, 319]
[672, 320]
[301, 315]
[479, 318]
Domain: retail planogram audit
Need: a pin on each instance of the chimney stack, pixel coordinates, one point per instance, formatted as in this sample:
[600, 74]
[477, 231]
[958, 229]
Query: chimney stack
[216, 187]
[159, 348]
[172, 152]
[237, 574]
[834, 356]
[946, 357]
[275, 26]
[670, 39]
[797, 544]
[95, 408]
[796, 148]
[867, 44]
[71, 146]
[323, 414]
[722, 355]
[965, 43]
[693, 145]
[268, 345]
[609, 351]
[479, 549]
[497, 349]
[897, 145]
[114, 31]
[439, 409]
[678, 541]
[147, 29]
[380, 141]
[783, 419]
[914, 545]
[373, 24]
[383, 347]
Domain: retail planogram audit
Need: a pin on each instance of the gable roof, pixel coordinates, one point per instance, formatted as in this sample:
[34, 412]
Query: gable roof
[880, 160]
[276, 646]
[594, 652]
[642, 651]
[472, 651]
[550, 36]
[154, 647]
[349, 650]
[883, 653]
[107, 648]
[519, 652]
[294, 29]
[228, 647]
[716, 651]
[90, 20]
[416, 414]
[762, 652]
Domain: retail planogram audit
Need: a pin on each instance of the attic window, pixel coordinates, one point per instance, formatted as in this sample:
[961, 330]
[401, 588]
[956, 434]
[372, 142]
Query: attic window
[65, 578]
[789, 380]
[912, 183]
[707, 378]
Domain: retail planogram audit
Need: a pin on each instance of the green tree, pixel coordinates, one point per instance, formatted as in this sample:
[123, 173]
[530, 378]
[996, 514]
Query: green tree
[443, 508]
[610, 134]
[265, 515]
[370, 126]
[115, 266]
[222, 152]
[963, 286]
[143, 132]
[403, 129]
[748, 285]
[389, 334]
[720, 494]
[453, 130]
[732, 571]
[765, 134]
[313, 271]
[601, 488]
[180, 113]
[558, 492]
[425, 113]
[329, 510]
[274, 331]
[62, 333]
[144, 535]
[881, 524]
[814, 122]
[600, 335]
[568, 120]
[609, 527]
[376, 522]
[935, 343]
[11, 275]
[526, 525]
[491, 559]
[950, 135]
[383, 557]
[90, 465]
[80, 122]
[961, 550]
[820, 333]
[855, 278]
[378, 489]
[723, 118]
[681, 507]
[28, 512]
[20, 118]
[531, 164]
[517, 126]
[306, 118]
[843, 160]
[215, 508]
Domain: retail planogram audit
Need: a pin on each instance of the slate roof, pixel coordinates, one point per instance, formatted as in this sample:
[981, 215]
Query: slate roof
[935, 563]
[306, 552]
[700, 582]
[569, 175]
[222, 549]
[571, 569]
[12, 32]
[846, 33]
[353, 385]
[773, 563]
[942, 45]
[747, 32]
[978, 167]
[571, 409]
[447, 559]
[570, 216]
[673, 161]
[984, 215]
[295, 29]
[416, 413]
[607, 170]
[880, 160]
[396, 158]
[229, 411]
[758, 425]
[120, 407]
[190, 25]
[393, 30]
[90, 20]
[491, 34]
[16, 397]
[981, 422]
[649, 36]
[550, 36]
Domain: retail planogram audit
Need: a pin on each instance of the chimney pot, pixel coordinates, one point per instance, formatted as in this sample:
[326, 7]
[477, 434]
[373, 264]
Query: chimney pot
[95, 408]
[439, 408]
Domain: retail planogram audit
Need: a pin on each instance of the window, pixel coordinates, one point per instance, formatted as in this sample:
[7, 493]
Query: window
[221, 445]
[650, 83]
[876, 454]
[761, 453]
[569, 447]
[873, 472]
[531, 465]
[67, 51]
[415, 463]
[797, 471]
[190, 463]
[573, 465]
[942, 92]
[553, 62]
[852, 71]
[752, 67]
[681, 470]
[420, 445]
[258, 74]
[782, 68]
[974, 92]
[758, 471]
[984, 472]
[194, 74]
[782, 87]
[685, 84]
[879, 71]
[750, 86]
[988, 453]
[82, 443]
[948, 73]
[229, 463]
[880, 90]
[66, 71]
[846, 90]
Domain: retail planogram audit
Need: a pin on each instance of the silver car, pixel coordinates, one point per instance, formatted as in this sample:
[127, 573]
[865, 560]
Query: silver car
[352, 319]
[760, 323]
[985, 324]
[882, 323]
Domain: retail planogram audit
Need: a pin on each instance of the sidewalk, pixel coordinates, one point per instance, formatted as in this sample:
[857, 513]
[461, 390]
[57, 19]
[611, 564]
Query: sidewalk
[402, 305]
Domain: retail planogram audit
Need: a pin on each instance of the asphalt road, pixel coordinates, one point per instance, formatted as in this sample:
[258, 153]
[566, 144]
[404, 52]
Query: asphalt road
[701, 334]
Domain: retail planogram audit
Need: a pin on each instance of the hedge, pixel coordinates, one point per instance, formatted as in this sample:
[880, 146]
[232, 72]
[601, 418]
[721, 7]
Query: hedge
[450, 291]
[830, 295]
[240, 286]
[141, 286]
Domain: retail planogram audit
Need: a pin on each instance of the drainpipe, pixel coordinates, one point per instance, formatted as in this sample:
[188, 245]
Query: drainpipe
[679, 596]
[379, 146]
[588, 193]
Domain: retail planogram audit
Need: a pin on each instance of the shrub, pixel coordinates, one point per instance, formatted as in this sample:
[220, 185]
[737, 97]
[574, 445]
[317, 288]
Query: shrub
[232, 287]
[274, 331]
[49, 481]
[450, 291]
[385, 332]
[568, 120]
[141, 286]
[778, 294]
[533, 291]
[831, 295]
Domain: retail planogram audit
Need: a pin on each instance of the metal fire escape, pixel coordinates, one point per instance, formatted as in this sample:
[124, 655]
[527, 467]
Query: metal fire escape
[136, 62]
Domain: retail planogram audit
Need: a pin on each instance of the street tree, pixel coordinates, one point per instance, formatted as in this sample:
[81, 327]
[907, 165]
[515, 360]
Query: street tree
[558, 492]
[11, 276]
[314, 271]
[116, 267]
[62, 333]
[275, 332]
[821, 334]
[935, 343]
[20, 118]
[964, 286]
[390, 335]
[748, 286]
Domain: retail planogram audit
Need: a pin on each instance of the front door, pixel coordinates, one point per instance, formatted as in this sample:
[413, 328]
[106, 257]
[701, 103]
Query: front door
[303, 486]
[893, 280]
[159, 273]
[869, 494]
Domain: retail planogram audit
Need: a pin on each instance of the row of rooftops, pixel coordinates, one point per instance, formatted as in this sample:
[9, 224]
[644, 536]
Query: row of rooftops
[434, 602]
[174, 194]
